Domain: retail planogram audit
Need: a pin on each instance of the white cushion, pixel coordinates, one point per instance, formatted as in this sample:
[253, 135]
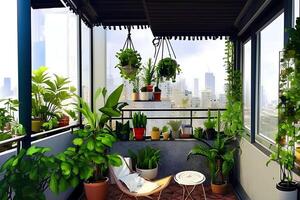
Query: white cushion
[122, 170]
[137, 184]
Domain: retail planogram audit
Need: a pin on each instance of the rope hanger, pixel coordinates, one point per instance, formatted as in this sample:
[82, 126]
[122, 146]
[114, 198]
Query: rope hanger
[128, 42]
[159, 44]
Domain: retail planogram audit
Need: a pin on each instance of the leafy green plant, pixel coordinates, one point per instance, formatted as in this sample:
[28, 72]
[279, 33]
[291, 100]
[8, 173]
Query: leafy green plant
[89, 159]
[146, 158]
[139, 120]
[155, 128]
[50, 96]
[198, 133]
[5, 136]
[26, 175]
[129, 63]
[165, 129]
[232, 117]
[288, 107]
[168, 68]
[148, 72]
[123, 130]
[136, 85]
[144, 89]
[210, 123]
[175, 125]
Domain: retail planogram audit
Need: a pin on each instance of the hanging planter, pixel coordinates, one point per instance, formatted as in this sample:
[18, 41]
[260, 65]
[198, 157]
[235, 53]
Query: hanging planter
[167, 67]
[129, 60]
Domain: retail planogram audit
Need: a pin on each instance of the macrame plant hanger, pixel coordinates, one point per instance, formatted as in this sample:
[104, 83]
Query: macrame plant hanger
[159, 44]
[128, 42]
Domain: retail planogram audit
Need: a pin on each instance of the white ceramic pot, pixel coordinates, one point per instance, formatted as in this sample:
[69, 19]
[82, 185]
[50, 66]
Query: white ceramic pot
[144, 96]
[287, 193]
[147, 173]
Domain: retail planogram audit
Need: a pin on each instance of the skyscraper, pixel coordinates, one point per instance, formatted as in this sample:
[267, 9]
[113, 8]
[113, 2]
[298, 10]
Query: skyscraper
[196, 87]
[6, 90]
[210, 83]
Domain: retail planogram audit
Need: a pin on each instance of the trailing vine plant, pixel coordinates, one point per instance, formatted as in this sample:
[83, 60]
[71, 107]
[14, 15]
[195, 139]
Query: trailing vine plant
[288, 107]
[232, 117]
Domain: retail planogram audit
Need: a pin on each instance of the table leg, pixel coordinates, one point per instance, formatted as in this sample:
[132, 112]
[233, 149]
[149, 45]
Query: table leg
[189, 193]
[183, 192]
[203, 191]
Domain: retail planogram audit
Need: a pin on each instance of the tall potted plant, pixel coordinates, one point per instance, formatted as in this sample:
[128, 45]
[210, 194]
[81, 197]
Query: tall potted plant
[289, 118]
[220, 157]
[135, 96]
[139, 122]
[210, 125]
[129, 63]
[149, 76]
[146, 161]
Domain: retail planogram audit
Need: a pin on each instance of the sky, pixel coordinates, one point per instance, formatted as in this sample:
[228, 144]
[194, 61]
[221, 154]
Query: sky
[195, 57]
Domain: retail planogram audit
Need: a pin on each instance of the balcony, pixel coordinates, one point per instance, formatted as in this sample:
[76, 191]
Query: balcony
[130, 99]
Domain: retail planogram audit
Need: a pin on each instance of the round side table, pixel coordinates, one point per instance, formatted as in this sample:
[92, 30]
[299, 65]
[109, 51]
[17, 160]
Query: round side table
[189, 178]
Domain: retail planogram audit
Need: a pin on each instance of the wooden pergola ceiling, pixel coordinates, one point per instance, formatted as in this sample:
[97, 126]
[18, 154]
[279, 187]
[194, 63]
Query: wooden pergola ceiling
[165, 17]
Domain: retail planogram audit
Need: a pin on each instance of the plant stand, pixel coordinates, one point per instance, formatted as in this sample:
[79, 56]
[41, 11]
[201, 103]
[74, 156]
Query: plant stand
[190, 178]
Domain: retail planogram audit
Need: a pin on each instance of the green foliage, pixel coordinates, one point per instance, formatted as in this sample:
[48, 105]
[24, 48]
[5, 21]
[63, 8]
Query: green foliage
[165, 129]
[26, 175]
[51, 124]
[5, 136]
[148, 72]
[144, 89]
[210, 123]
[139, 120]
[123, 128]
[89, 159]
[50, 95]
[198, 133]
[146, 158]
[220, 156]
[232, 117]
[131, 59]
[136, 85]
[168, 68]
[289, 106]
[175, 125]
[155, 128]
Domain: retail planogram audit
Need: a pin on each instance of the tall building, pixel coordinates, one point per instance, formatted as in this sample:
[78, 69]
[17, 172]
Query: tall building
[6, 90]
[205, 98]
[210, 83]
[196, 87]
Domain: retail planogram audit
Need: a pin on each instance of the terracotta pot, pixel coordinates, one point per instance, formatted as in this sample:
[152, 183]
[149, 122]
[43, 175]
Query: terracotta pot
[96, 191]
[219, 189]
[166, 135]
[157, 96]
[36, 125]
[139, 133]
[155, 135]
[135, 96]
[149, 88]
[64, 121]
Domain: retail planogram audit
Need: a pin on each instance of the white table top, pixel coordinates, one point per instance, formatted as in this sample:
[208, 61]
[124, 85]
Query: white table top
[189, 178]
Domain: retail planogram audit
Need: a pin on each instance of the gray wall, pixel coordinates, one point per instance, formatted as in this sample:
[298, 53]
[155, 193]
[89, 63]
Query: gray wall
[173, 155]
[58, 143]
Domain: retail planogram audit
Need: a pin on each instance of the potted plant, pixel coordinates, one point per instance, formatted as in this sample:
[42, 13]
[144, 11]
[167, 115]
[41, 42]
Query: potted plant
[149, 77]
[129, 63]
[123, 131]
[175, 127]
[135, 96]
[168, 69]
[91, 158]
[289, 118]
[157, 94]
[198, 133]
[145, 95]
[26, 175]
[220, 157]
[155, 133]
[146, 161]
[165, 132]
[209, 125]
[139, 122]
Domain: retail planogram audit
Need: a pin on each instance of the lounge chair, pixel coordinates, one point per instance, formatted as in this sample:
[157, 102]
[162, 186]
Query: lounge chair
[125, 170]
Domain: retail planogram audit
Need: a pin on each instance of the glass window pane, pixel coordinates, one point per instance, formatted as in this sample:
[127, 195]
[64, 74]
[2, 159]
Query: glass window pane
[86, 62]
[296, 9]
[247, 84]
[271, 44]
[8, 50]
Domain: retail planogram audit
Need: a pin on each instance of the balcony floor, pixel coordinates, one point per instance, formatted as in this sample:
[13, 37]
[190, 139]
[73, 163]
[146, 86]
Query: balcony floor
[174, 192]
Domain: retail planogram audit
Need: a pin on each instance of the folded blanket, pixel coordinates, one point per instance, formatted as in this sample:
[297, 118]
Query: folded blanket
[137, 184]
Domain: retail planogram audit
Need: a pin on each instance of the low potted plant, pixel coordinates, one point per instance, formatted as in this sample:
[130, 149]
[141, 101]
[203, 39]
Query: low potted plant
[198, 133]
[139, 122]
[168, 68]
[210, 125]
[220, 157]
[165, 132]
[149, 76]
[155, 133]
[157, 94]
[123, 131]
[146, 161]
[145, 95]
[175, 127]
[135, 96]
[129, 63]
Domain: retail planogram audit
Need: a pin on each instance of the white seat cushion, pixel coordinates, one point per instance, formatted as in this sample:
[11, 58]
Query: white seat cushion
[122, 170]
[137, 184]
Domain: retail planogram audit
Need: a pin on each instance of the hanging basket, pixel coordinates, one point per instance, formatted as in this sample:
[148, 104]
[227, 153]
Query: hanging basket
[128, 72]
